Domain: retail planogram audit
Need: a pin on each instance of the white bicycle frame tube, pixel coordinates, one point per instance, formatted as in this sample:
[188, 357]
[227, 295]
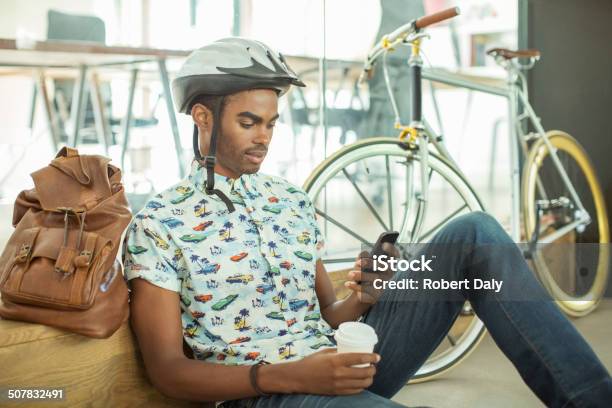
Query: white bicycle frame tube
[551, 149]
[516, 98]
[515, 180]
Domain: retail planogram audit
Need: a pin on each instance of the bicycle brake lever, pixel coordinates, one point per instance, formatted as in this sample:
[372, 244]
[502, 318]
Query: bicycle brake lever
[415, 37]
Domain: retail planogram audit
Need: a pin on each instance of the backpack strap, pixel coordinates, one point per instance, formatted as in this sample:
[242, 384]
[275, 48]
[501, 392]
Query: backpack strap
[82, 263]
[23, 253]
[64, 262]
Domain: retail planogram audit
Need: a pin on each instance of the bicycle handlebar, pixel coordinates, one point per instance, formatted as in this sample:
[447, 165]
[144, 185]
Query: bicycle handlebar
[402, 32]
[436, 17]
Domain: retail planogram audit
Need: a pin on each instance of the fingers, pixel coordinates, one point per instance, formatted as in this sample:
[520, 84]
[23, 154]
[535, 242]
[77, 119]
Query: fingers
[358, 373]
[363, 254]
[353, 286]
[357, 277]
[351, 380]
[353, 277]
[362, 284]
[351, 359]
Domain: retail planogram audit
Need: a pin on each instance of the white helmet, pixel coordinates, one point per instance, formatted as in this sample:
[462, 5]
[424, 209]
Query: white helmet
[231, 65]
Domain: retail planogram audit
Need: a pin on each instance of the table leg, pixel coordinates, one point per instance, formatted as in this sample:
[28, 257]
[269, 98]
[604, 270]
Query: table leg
[78, 103]
[101, 119]
[163, 72]
[127, 120]
[50, 112]
[33, 107]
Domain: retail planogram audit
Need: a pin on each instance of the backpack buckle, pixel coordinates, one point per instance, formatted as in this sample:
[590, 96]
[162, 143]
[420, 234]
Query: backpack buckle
[24, 253]
[83, 260]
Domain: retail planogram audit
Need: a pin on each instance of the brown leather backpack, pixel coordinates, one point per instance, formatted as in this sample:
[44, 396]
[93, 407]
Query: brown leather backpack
[58, 267]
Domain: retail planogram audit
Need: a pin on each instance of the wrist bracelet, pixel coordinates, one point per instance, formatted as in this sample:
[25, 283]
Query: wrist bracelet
[253, 378]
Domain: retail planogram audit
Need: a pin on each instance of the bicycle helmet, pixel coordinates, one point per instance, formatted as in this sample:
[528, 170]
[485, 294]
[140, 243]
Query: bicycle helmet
[227, 66]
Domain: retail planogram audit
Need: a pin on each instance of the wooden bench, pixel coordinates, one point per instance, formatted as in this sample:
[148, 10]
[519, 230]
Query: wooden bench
[96, 373]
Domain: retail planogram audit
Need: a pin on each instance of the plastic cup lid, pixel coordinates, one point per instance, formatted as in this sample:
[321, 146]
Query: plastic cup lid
[356, 332]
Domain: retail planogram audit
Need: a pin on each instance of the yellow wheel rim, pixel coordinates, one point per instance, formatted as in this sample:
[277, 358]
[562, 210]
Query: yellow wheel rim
[582, 305]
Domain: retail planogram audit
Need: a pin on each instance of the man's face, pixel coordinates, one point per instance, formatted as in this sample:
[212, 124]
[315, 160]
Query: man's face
[247, 123]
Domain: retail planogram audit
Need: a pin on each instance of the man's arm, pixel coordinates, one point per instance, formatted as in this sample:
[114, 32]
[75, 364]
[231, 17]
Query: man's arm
[336, 311]
[156, 321]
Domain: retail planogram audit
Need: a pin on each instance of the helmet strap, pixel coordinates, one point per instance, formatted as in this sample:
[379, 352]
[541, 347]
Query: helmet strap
[210, 159]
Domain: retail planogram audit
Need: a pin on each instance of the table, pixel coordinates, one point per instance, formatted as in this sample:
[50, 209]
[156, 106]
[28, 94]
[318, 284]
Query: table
[82, 57]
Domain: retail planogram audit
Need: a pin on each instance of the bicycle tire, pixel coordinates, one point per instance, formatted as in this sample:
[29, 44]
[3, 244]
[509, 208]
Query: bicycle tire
[572, 305]
[392, 146]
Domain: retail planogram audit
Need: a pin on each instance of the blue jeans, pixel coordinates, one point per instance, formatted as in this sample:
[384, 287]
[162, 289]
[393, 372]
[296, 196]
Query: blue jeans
[551, 356]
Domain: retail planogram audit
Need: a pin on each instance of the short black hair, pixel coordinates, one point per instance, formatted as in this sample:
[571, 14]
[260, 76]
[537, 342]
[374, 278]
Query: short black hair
[209, 101]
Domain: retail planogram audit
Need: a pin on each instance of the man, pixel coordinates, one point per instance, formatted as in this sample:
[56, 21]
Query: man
[229, 261]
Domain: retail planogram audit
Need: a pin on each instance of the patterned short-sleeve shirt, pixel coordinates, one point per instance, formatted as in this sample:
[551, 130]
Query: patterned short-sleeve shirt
[246, 279]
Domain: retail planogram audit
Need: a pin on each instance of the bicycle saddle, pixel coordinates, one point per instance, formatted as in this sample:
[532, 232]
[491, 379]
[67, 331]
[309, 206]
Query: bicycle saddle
[509, 54]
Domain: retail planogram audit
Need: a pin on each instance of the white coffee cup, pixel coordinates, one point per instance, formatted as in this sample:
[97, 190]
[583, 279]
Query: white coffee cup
[355, 337]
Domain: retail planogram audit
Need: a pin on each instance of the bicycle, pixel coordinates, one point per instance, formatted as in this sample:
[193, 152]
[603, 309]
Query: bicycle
[441, 185]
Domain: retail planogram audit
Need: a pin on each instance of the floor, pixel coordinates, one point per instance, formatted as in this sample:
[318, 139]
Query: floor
[488, 379]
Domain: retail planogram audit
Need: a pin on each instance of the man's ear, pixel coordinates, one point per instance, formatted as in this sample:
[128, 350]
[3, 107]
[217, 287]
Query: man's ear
[203, 118]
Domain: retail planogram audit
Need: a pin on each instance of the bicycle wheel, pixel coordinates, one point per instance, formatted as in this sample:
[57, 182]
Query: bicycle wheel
[574, 267]
[353, 192]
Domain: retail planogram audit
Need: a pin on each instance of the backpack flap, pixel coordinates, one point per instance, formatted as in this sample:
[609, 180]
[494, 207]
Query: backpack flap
[82, 181]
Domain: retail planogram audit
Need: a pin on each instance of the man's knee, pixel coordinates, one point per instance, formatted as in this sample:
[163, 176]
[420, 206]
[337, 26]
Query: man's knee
[477, 225]
[480, 219]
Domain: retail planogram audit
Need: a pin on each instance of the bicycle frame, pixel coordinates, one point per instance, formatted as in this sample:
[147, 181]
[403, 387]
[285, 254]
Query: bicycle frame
[418, 131]
[517, 95]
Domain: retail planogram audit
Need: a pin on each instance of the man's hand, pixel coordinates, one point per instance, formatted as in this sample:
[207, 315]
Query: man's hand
[328, 373]
[361, 282]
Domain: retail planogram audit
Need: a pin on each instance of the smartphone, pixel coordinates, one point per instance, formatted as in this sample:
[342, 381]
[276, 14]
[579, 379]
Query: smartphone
[387, 236]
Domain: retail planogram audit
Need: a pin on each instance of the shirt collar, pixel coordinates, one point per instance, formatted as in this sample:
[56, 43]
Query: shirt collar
[227, 185]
